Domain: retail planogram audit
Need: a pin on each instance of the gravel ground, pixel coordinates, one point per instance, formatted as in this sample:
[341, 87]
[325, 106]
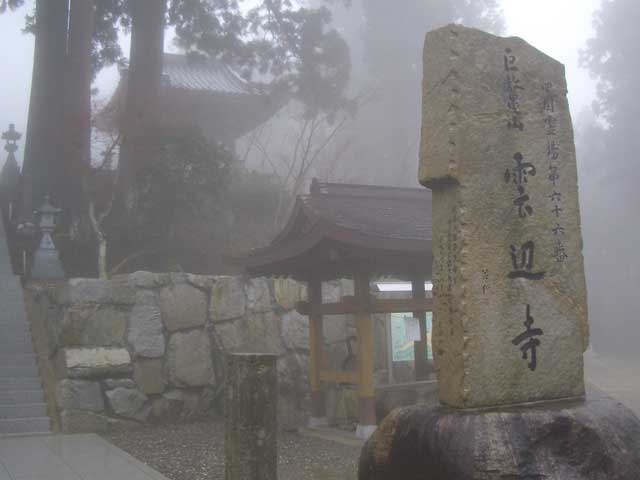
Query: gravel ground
[195, 451]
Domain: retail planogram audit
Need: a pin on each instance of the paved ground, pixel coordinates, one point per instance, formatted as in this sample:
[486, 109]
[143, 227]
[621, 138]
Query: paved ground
[68, 457]
[195, 451]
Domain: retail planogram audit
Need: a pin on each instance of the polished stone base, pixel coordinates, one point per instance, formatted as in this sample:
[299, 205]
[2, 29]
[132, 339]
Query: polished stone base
[596, 438]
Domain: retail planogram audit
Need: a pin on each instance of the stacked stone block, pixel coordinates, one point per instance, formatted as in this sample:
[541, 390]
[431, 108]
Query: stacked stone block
[150, 347]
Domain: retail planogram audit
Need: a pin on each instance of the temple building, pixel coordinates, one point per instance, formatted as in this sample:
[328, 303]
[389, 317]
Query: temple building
[379, 238]
[204, 94]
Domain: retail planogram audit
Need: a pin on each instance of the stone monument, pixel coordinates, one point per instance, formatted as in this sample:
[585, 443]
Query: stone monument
[251, 428]
[510, 307]
[498, 153]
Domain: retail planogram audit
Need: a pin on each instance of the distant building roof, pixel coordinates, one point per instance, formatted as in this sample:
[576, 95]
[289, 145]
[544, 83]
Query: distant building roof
[339, 228]
[181, 71]
[206, 94]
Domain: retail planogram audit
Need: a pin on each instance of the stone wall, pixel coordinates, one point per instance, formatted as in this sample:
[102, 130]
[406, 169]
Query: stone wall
[149, 347]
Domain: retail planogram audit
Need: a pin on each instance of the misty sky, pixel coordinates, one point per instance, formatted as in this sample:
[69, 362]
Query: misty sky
[559, 28]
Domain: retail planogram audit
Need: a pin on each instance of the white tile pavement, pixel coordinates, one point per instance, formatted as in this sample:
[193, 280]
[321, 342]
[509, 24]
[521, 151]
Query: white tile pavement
[69, 457]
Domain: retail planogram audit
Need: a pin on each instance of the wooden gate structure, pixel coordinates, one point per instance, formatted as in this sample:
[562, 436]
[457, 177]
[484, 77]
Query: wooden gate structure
[360, 232]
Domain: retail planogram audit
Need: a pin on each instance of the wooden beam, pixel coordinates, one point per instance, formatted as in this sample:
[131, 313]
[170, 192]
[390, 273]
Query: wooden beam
[350, 377]
[364, 328]
[401, 305]
[349, 305]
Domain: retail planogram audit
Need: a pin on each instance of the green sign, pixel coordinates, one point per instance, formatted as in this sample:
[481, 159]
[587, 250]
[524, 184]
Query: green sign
[402, 340]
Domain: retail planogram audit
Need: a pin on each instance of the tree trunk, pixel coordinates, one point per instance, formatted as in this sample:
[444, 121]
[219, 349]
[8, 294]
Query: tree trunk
[144, 81]
[43, 167]
[143, 91]
[77, 122]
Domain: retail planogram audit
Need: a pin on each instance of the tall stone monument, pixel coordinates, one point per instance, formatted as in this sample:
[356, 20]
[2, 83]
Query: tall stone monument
[510, 313]
[498, 153]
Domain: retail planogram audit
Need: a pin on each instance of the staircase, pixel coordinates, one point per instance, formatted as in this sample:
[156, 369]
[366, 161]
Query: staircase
[23, 408]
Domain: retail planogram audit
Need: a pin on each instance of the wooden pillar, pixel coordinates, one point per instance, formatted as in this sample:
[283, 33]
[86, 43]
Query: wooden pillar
[366, 387]
[316, 345]
[421, 347]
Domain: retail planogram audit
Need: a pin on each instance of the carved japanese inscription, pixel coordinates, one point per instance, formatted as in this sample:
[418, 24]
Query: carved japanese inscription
[510, 315]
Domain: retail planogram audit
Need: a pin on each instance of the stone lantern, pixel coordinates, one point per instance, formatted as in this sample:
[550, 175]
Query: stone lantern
[10, 173]
[46, 261]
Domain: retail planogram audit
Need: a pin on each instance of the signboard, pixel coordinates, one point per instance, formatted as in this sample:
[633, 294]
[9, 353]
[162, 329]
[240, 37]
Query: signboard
[404, 331]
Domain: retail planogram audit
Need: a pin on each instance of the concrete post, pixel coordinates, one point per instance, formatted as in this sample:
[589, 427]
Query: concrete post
[251, 446]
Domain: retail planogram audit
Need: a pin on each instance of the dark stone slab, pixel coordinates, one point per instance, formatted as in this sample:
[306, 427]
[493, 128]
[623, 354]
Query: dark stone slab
[598, 438]
[251, 395]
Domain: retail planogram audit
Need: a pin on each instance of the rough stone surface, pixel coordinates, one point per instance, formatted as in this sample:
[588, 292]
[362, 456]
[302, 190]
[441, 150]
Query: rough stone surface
[128, 403]
[183, 306]
[295, 330]
[258, 295]
[506, 222]
[95, 362]
[180, 404]
[148, 280]
[258, 332]
[79, 395]
[94, 325]
[145, 326]
[289, 292]
[189, 357]
[251, 441]
[203, 282]
[592, 440]
[149, 375]
[93, 290]
[160, 410]
[293, 391]
[117, 340]
[112, 383]
[228, 300]
[79, 421]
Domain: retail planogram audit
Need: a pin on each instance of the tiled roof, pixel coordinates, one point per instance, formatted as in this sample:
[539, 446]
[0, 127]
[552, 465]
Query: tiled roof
[181, 71]
[386, 212]
[389, 227]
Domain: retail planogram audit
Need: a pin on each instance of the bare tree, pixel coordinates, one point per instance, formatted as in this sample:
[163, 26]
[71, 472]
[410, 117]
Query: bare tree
[315, 146]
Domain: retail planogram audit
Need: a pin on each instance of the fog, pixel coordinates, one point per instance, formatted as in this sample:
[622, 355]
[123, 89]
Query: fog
[379, 145]
[260, 110]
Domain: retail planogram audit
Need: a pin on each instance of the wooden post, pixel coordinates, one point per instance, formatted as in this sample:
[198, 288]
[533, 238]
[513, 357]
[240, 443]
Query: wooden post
[251, 427]
[366, 388]
[316, 345]
[421, 347]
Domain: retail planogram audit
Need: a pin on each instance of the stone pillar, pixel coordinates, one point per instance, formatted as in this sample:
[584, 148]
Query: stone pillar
[316, 347]
[510, 316]
[251, 443]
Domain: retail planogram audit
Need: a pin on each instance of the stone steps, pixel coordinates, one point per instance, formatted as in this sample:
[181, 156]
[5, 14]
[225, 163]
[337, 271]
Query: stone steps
[19, 371]
[17, 397]
[8, 338]
[28, 383]
[16, 346]
[18, 359]
[14, 328]
[23, 410]
[32, 425]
